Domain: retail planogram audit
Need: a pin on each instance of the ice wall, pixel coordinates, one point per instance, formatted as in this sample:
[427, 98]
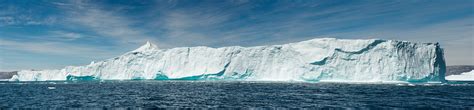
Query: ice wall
[324, 59]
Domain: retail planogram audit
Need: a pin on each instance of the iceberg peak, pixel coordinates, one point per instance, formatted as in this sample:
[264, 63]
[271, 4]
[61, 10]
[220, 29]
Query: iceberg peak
[146, 47]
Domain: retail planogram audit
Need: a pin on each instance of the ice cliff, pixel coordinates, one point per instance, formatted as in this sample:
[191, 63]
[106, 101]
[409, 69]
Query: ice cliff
[324, 59]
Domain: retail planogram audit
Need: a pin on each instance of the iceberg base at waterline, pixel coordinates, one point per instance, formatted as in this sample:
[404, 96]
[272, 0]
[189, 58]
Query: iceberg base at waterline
[323, 59]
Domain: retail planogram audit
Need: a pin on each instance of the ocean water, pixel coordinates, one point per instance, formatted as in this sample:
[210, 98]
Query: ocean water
[221, 94]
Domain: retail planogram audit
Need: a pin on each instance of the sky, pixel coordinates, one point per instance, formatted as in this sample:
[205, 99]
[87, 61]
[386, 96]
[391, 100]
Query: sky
[52, 34]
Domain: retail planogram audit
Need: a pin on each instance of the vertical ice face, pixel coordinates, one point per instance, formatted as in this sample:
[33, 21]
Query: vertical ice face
[325, 59]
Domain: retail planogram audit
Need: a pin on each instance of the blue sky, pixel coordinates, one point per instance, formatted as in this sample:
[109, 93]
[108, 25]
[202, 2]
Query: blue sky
[48, 34]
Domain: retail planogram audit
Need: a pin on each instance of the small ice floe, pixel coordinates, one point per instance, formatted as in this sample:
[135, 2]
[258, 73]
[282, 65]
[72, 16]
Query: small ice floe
[400, 84]
[427, 84]
[406, 84]
[51, 87]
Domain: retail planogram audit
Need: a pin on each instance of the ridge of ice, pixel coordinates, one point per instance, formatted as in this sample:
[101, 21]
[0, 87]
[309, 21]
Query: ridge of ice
[324, 59]
[148, 46]
[466, 76]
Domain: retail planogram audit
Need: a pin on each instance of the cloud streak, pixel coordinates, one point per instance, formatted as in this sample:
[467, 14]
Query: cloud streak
[53, 48]
[105, 23]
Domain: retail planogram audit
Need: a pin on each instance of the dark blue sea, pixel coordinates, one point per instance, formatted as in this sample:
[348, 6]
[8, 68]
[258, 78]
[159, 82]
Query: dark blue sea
[233, 95]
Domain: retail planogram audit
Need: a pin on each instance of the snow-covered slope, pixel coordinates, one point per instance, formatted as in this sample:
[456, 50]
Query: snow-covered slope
[467, 76]
[325, 59]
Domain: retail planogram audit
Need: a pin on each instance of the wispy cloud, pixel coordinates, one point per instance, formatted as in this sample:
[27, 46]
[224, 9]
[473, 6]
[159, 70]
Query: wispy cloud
[63, 35]
[54, 48]
[13, 15]
[186, 28]
[25, 20]
[18, 55]
[104, 23]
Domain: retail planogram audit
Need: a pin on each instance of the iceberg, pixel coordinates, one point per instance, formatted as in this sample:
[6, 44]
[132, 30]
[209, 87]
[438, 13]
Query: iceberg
[467, 76]
[322, 59]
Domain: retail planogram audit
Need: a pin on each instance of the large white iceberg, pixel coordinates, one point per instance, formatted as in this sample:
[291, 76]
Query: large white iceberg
[324, 59]
[467, 76]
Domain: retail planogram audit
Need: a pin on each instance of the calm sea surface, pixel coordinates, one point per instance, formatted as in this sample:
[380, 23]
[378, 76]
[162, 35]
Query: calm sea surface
[220, 94]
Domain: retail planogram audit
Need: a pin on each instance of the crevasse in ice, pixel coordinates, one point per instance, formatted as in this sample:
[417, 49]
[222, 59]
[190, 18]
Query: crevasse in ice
[323, 59]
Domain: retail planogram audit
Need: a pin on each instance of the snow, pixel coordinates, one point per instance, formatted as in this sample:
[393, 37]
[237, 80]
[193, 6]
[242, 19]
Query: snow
[324, 59]
[467, 76]
[147, 47]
